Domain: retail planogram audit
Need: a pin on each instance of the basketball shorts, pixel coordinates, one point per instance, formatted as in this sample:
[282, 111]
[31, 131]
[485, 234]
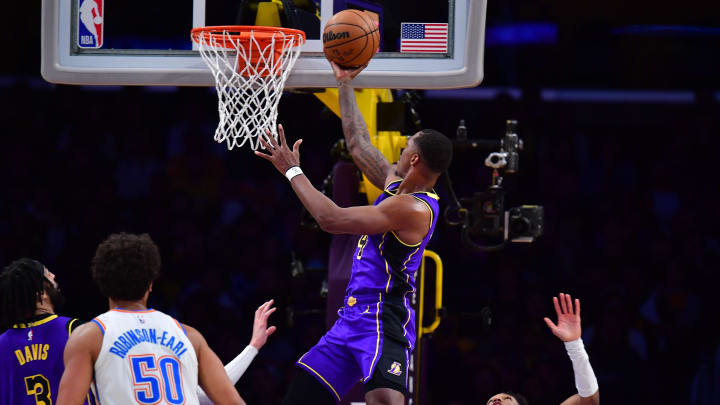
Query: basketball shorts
[371, 342]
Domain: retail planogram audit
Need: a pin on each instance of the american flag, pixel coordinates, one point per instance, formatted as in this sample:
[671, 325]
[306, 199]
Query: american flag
[423, 37]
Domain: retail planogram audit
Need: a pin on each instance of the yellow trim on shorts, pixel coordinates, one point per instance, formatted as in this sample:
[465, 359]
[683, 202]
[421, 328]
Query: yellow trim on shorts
[318, 374]
[377, 344]
[407, 279]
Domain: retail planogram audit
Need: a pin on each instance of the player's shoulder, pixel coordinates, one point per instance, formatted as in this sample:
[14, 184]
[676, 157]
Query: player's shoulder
[88, 336]
[88, 329]
[405, 206]
[194, 336]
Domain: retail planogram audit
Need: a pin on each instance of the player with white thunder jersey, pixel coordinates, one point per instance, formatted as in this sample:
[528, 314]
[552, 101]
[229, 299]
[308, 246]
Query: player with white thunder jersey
[146, 357]
[138, 355]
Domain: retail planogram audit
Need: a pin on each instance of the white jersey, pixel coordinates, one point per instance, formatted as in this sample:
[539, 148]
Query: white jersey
[146, 358]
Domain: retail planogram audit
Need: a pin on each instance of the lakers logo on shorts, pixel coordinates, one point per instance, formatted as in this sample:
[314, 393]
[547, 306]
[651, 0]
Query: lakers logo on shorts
[395, 369]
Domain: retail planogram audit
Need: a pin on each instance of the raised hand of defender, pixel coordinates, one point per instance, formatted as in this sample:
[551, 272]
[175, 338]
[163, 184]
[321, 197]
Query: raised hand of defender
[568, 324]
[343, 75]
[278, 153]
[260, 330]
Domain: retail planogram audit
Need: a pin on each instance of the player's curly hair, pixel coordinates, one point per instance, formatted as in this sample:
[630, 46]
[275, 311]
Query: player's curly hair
[125, 264]
[436, 149]
[521, 400]
[22, 283]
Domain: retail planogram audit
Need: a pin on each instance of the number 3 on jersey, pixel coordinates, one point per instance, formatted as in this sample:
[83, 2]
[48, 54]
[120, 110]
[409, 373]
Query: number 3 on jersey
[39, 386]
[361, 245]
[156, 379]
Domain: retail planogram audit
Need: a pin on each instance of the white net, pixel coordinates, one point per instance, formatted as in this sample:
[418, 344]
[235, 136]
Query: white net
[250, 69]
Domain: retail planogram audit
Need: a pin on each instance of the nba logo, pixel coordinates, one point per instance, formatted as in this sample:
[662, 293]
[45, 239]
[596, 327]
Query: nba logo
[30, 335]
[90, 23]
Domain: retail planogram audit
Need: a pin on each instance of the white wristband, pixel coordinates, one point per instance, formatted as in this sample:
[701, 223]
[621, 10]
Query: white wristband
[292, 172]
[585, 380]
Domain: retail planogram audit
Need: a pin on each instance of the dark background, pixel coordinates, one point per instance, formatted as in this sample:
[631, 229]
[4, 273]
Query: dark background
[629, 189]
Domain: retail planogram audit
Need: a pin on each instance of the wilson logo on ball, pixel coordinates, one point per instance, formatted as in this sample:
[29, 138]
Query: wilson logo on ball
[331, 36]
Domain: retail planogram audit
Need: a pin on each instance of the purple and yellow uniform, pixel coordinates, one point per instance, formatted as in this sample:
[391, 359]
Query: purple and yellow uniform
[376, 329]
[31, 360]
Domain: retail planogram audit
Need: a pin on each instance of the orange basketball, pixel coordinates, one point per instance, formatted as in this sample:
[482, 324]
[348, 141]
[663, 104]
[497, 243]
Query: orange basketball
[350, 38]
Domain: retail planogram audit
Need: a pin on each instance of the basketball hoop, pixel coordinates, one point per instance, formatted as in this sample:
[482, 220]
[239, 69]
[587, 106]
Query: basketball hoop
[250, 65]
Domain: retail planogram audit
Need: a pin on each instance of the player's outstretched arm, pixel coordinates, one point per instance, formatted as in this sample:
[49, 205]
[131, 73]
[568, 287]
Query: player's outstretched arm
[357, 138]
[569, 330]
[211, 374]
[81, 350]
[236, 368]
[396, 213]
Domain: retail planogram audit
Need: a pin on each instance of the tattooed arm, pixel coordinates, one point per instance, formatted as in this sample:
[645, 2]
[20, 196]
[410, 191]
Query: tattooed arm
[366, 156]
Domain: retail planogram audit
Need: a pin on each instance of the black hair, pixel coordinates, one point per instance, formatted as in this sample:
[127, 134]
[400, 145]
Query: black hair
[125, 264]
[22, 284]
[436, 150]
[521, 400]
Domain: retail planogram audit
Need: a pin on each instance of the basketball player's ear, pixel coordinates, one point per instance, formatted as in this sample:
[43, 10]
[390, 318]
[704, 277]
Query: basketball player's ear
[43, 298]
[414, 159]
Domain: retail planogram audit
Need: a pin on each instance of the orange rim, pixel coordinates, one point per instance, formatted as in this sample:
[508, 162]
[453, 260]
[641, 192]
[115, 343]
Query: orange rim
[227, 35]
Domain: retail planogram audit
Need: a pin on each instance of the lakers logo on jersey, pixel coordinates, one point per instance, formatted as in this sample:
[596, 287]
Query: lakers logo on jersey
[395, 369]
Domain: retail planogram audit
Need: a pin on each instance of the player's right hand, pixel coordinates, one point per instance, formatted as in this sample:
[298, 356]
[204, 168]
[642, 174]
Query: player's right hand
[260, 329]
[344, 76]
[568, 324]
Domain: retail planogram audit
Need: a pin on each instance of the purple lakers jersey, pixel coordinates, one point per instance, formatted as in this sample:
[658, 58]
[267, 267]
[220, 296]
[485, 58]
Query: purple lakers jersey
[384, 266]
[383, 262]
[31, 362]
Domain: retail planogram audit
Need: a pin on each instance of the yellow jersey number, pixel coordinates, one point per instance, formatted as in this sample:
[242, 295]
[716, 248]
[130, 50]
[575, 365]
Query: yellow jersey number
[361, 245]
[39, 386]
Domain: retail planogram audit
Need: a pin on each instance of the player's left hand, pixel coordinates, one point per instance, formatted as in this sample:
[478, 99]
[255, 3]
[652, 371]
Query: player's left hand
[260, 330]
[568, 324]
[278, 153]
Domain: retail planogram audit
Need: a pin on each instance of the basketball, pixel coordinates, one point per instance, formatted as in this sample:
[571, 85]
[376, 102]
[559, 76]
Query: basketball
[350, 38]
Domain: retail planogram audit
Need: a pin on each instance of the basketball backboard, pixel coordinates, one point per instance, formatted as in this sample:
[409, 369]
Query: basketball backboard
[107, 42]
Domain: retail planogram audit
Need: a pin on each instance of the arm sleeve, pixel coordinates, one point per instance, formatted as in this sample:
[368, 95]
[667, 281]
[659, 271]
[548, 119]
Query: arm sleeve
[585, 380]
[235, 369]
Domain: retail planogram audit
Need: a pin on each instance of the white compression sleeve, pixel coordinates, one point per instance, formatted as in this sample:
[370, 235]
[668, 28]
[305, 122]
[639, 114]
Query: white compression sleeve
[585, 380]
[235, 369]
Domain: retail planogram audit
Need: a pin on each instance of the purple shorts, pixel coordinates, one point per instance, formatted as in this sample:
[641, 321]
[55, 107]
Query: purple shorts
[370, 342]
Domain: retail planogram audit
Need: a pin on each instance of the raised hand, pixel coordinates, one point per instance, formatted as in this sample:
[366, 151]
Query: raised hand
[260, 330]
[279, 154]
[568, 324]
[343, 75]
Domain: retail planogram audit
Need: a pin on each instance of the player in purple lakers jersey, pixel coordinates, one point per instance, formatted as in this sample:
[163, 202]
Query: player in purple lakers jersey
[372, 339]
[31, 350]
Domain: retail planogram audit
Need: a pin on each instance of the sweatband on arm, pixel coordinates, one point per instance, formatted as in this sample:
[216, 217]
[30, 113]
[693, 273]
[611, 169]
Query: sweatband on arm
[292, 172]
[585, 380]
[235, 369]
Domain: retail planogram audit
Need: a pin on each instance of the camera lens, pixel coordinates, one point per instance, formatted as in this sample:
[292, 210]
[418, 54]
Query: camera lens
[519, 225]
